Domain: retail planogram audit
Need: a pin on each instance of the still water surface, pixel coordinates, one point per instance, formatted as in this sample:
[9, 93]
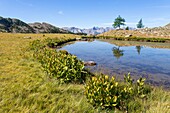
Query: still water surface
[150, 60]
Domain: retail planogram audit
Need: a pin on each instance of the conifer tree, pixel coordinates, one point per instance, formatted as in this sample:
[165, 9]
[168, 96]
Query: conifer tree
[140, 24]
[118, 22]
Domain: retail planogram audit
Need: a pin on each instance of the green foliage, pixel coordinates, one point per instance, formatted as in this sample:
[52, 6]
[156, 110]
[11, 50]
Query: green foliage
[109, 94]
[53, 43]
[65, 67]
[118, 22]
[36, 45]
[140, 24]
[127, 28]
[59, 64]
[101, 91]
[141, 87]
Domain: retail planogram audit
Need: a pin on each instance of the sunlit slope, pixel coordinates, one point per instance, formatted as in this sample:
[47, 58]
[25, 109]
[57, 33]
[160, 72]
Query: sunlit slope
[136, 33]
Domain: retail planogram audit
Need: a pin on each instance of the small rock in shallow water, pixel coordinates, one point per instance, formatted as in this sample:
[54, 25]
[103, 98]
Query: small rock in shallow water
[90, 63]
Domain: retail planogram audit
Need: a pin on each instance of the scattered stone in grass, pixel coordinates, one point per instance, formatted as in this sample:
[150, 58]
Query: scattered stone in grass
[27, 37]
[129, 35]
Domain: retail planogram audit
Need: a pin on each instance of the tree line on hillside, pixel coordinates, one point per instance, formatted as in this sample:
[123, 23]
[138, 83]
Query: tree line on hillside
[119, 21]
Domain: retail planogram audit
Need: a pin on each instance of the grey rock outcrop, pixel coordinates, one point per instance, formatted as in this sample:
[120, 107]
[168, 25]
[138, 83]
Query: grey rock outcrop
[46, 28]
[14, 26]
[90, 63]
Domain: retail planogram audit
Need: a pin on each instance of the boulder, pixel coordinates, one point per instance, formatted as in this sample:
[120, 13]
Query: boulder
[90, 63]
[129, 35]
[78, 39]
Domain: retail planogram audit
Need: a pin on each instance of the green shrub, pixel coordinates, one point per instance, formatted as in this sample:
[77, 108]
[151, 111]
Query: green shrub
[101, 91]
[53, 43]
[63, 66]
[109, 94]
[59, 64]
[36, 45]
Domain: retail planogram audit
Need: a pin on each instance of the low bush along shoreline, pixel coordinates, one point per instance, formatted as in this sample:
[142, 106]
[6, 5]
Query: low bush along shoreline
[37, 78]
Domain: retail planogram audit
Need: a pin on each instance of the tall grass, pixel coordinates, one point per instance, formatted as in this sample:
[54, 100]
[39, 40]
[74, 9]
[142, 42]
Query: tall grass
[26, 88]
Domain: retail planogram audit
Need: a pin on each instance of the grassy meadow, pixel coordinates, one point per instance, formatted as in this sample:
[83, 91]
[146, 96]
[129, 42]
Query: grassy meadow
[26, 88]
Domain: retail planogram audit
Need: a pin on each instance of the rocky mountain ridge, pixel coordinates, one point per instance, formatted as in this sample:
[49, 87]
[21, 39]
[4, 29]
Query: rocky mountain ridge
[14, 26]
[11, 25]
[46, 28]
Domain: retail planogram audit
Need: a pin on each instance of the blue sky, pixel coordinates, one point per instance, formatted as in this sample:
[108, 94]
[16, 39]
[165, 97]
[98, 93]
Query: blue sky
[88, 13]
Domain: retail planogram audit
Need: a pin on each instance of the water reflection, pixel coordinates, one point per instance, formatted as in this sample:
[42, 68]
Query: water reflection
[135, 43]
[117, 52]
[138, 48]
[138, 58]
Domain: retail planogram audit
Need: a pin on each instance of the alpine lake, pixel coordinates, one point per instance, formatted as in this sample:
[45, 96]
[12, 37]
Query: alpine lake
[150, 60]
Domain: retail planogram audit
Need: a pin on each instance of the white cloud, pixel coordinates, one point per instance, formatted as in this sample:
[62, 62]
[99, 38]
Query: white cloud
[60, 12]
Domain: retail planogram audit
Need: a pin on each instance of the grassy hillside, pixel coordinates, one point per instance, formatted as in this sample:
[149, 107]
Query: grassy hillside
[135, 33]
[26, 88]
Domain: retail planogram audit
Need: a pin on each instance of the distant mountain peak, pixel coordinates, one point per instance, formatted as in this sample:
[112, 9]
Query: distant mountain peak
[90, 31]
